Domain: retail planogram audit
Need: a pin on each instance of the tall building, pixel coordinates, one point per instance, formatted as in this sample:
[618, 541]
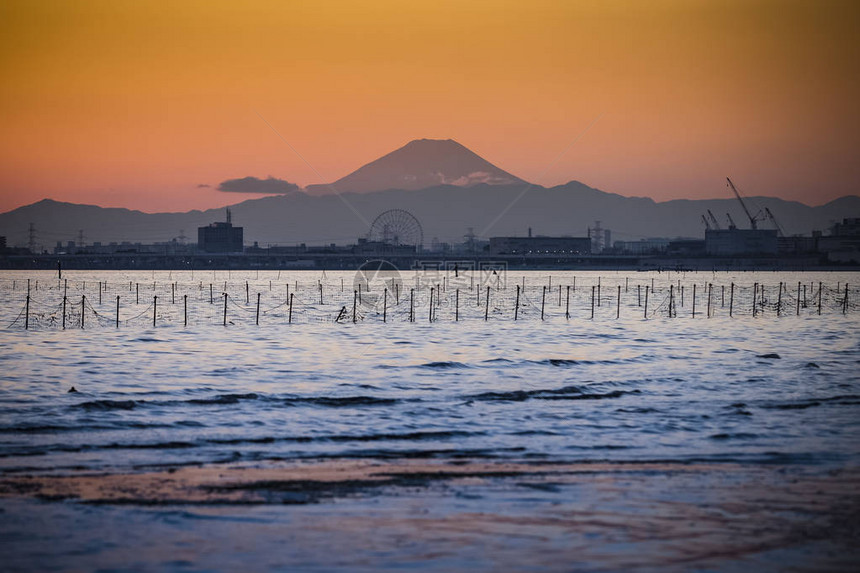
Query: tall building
[220, 237]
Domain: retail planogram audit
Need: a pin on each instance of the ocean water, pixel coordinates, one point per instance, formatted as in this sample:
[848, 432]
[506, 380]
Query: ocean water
[631, 384]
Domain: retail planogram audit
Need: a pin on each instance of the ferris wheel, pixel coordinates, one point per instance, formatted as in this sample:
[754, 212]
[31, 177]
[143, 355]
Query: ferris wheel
[397, 227]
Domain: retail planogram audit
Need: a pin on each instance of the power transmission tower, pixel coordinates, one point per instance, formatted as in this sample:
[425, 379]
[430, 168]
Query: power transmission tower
[31, 242]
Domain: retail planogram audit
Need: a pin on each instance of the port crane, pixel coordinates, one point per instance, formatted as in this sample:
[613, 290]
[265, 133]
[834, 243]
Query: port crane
[731, 221]
[774, 221]
[753, 219]
[713, 219]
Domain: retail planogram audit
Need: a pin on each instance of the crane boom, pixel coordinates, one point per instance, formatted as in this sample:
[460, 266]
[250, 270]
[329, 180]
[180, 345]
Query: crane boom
[713, 219]
[774, 221]
[753, 220]
[705, 221]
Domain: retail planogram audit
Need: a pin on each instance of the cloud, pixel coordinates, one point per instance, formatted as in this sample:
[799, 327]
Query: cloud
[270, 186]
[203, 186]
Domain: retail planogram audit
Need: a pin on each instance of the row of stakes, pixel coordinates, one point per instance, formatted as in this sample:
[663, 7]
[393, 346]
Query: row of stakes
[436, 291]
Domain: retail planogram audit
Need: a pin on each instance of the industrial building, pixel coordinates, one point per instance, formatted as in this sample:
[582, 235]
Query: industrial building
[220, 237]
[733, 241]
[843, 243]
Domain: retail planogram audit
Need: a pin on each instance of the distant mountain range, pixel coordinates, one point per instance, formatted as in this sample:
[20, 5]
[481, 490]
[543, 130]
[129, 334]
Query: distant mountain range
[446, 186]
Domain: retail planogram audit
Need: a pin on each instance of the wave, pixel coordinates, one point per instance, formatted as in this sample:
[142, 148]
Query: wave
[224, 399]
[109, 404]
[227, 399]
[443, 365]
[845, 400]
[56, 428]
[565, 393]
[736, 436]
[345, 401]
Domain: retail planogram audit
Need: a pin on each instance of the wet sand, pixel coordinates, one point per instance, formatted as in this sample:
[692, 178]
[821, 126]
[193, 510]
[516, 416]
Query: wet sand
[517, 515]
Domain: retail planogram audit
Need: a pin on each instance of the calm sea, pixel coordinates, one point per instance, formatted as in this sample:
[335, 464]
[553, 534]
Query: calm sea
[632, 383]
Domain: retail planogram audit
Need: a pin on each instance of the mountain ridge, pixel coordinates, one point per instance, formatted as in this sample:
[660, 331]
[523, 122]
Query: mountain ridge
[445, 211]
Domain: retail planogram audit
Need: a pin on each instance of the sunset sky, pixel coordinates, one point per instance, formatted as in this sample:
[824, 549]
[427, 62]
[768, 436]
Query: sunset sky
[139, 104]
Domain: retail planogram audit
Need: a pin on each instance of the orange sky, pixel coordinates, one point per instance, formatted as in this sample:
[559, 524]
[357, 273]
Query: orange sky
[134, 103]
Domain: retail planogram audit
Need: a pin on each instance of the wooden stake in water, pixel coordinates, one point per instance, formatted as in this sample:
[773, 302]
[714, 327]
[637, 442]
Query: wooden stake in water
[385, 305]
[797, 310]
[154, 309]
[819, 298]
[136, 293]
[845, 300]
[487, 303]
[225, 309]
[100, 292]
[247, 293]
[755, 294]
[172, 293]
[639, 296]
[359, 292]
[456, 305]
[258, 309]
[567, 305]
[430, 313]
[672, 311]
[64, 312]
[559, 296]
[211, 299]
[542, 302]
[592, 301]
[626, 283]
[731, 299]
[184, 310]
[83, 308]
[321, 294]
[722, 296]
[411, 305]
[517, 304]
[598, 291]
[645, 309]
[117, 311]
[290, 318]
[779, 300]
[27, 313]
[618, 304]
[710, 289]
[694, 299]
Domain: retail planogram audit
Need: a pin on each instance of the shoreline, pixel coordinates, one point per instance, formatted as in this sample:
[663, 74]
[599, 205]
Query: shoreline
[665, 514]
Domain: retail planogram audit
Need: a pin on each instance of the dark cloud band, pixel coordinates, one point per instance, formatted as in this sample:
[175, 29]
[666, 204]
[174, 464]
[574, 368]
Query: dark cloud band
[271, 186]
